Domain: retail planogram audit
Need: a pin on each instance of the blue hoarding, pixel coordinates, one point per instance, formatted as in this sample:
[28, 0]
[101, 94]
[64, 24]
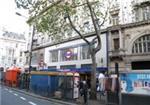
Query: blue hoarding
[135, 83]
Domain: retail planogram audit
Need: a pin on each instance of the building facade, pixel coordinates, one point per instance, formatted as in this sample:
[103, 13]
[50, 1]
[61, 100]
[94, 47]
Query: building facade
[127, 29]
[129, 41]
[12, 47]
[75, 55]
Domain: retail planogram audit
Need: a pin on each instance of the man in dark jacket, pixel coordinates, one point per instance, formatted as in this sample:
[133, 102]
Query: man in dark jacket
[85, 92]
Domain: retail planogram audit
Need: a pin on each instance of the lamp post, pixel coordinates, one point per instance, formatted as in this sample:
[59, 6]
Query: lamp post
[31, 47]
[30, 50]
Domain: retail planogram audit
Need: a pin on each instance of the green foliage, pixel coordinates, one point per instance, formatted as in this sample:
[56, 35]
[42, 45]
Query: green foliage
[53, 21]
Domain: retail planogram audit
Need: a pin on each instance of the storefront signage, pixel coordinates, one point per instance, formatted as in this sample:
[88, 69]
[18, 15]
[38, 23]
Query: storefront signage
[135, 83]
[68, 54]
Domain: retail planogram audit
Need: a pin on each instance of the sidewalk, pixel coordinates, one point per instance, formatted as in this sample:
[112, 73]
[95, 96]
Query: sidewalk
[99, 101]
[78, 102]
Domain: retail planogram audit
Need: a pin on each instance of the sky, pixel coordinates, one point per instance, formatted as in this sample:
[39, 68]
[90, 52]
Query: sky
[8, 18]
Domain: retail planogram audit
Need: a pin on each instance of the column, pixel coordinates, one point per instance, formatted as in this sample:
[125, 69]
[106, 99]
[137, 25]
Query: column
[110, 44]
[120, 39]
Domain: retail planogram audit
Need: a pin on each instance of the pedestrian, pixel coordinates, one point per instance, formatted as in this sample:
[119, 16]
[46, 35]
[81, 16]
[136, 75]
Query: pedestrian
[101, 82]
[85, 92]
[81, 88]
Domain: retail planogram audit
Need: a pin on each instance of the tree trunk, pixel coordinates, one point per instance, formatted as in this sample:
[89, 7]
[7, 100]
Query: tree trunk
[93, 94]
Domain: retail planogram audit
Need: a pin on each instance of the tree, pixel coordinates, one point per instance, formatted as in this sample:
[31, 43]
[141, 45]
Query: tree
[54, 18]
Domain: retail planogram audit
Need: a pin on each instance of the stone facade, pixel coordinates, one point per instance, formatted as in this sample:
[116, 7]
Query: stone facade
[127, 36]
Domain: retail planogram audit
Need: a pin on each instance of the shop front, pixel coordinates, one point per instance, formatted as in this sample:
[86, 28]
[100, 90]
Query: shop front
[135, 88]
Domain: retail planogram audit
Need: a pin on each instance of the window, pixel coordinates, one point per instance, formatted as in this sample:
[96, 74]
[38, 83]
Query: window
[86, 66]
[52, 67]
[85, 53]
[34, 59]
[42, 40]
[20, 60]
[141, 65]
[15, 61]
[16, 45]
[142, 45]
[146, 13]
[116, 43]
[27, 59]
[115, 19]
[20, 54]
[54, 56]
[87, 26]
[69, 54]
[137, 14]
[142, 13]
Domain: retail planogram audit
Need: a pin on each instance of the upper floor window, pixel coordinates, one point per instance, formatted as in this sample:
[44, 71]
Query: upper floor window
[34, 59]
[115, 19]
[87, 26]
[142, 45]
[42, 40]
[85, 53]
[146, 13]
[54, 56]
[21, 54]
[142, 13]
[116, 43]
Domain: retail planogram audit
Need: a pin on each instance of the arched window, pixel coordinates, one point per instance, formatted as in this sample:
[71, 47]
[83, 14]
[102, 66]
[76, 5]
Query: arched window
[141, 45]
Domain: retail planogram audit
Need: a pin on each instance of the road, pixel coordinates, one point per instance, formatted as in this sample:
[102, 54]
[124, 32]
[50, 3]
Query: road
[10, 97]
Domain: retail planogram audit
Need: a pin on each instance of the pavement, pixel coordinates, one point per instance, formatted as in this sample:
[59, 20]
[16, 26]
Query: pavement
[99, 101]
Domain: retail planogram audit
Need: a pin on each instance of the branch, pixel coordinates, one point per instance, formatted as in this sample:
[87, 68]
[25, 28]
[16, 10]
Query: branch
[95, 27]
[104, 19]
[75, 6]
[68, 16]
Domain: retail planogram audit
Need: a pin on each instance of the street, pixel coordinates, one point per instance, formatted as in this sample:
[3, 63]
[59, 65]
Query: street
[10, 97]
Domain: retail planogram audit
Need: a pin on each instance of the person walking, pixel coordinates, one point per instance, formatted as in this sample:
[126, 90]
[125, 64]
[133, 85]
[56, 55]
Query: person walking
[85, 92]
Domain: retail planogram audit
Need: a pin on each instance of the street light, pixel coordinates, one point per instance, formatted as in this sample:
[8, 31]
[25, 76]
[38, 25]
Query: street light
[30, 49]
[31, 42]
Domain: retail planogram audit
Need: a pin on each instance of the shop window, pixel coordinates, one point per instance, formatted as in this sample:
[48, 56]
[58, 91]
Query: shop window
[52, 67]
[68, 67]
[86, 66]
[141, 65]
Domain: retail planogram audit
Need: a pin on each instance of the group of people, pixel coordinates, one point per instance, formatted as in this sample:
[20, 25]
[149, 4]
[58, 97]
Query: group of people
[103, 84]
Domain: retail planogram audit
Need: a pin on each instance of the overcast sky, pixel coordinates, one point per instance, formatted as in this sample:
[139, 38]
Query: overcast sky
[9, 20]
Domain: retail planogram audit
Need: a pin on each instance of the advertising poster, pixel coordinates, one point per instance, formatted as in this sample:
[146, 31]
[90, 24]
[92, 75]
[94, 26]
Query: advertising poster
[76, 90]
[135, 83]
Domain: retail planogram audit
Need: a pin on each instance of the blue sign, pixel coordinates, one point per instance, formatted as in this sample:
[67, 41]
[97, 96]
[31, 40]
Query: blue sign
[135, 83]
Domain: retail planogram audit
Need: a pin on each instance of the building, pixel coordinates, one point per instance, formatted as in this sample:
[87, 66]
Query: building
[12, 47]
[127, 30]
[129, 40]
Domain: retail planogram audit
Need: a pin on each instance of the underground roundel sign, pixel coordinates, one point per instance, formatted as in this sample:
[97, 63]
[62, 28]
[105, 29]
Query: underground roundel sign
[68, 54]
